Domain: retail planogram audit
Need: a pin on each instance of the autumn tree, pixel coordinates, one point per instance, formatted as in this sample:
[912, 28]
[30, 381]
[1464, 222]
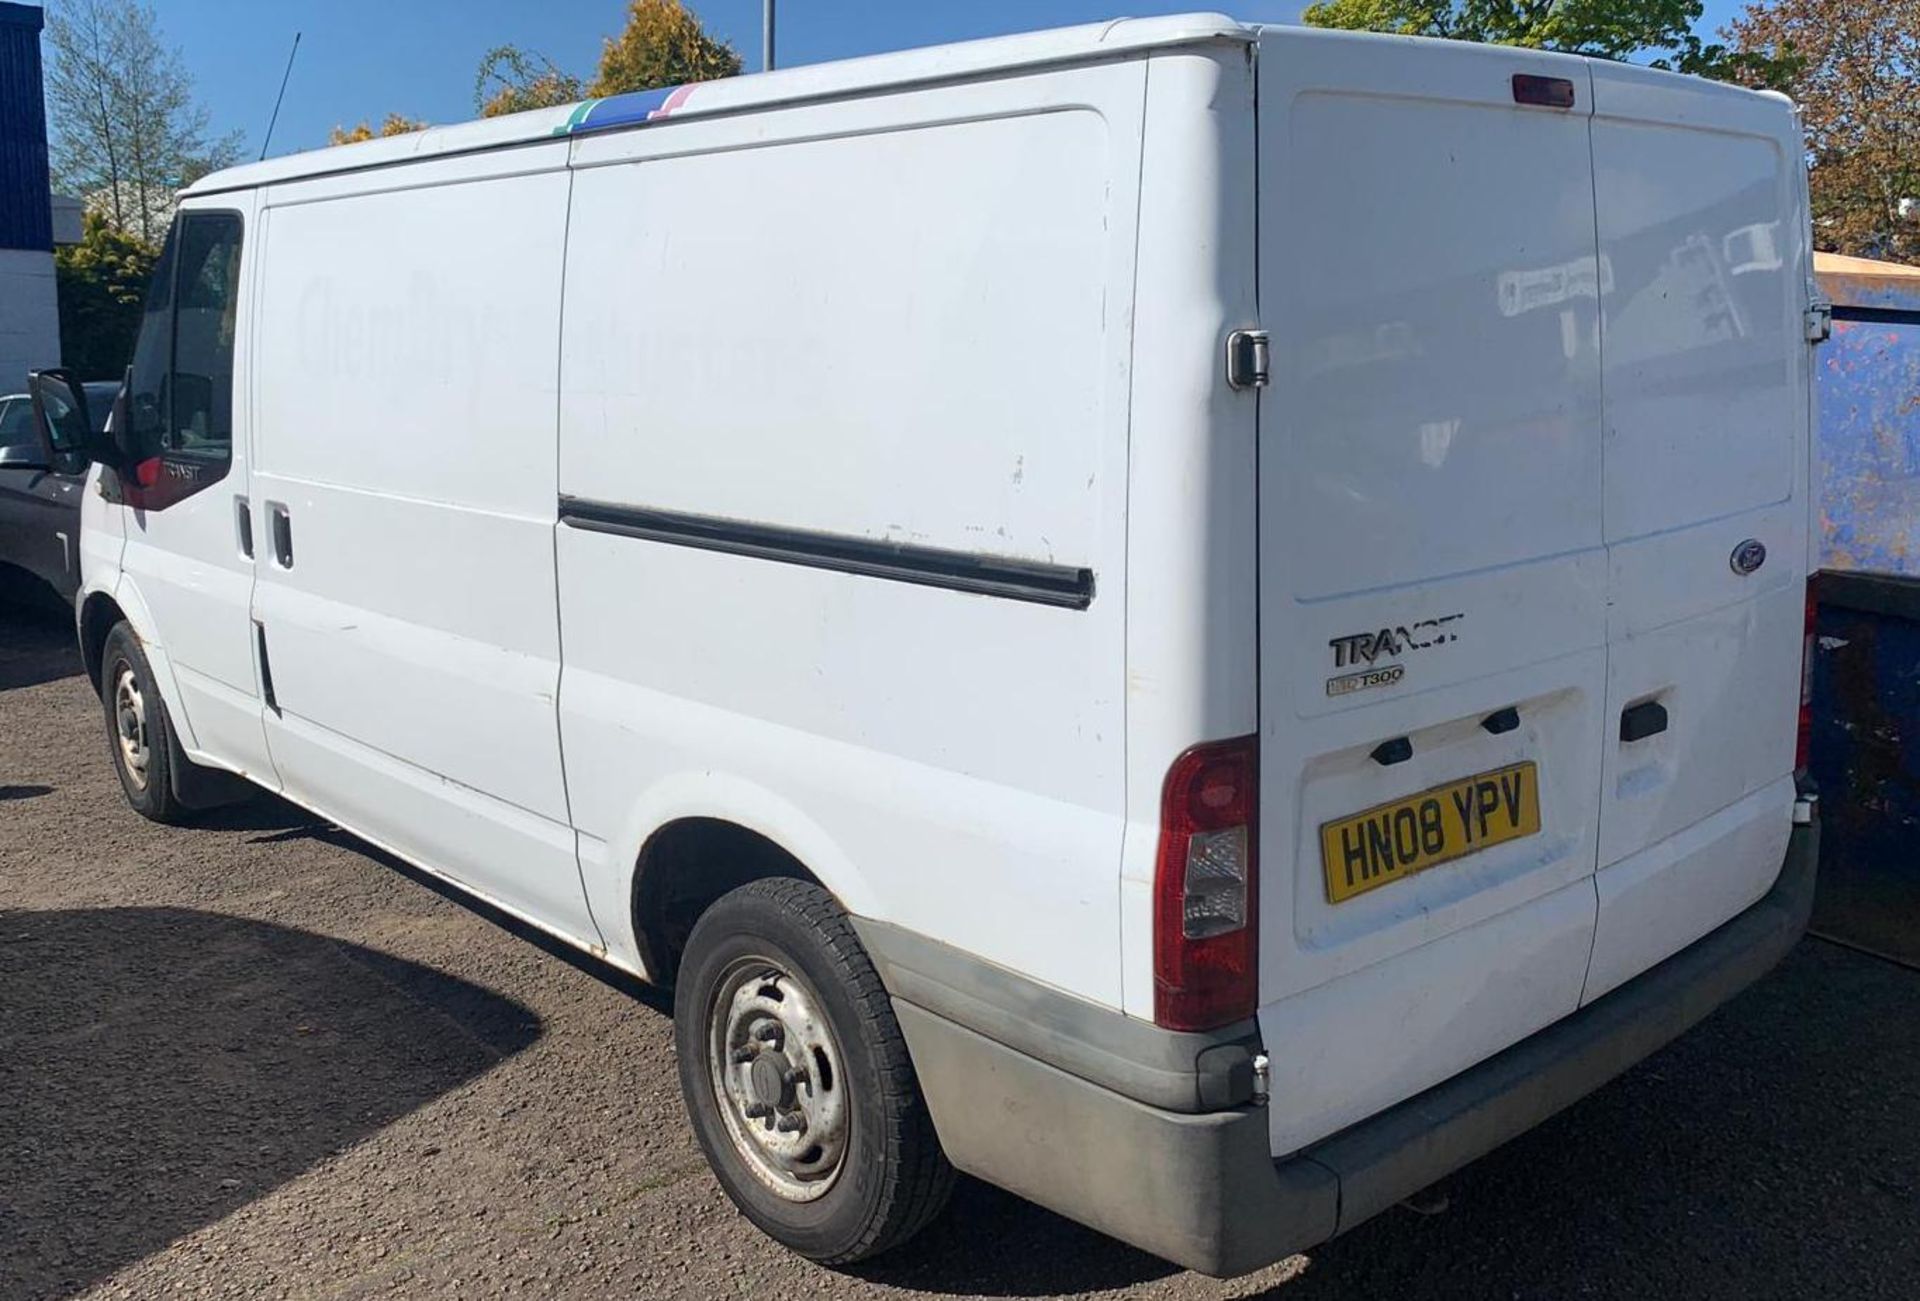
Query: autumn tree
[394, 125]
[1659, 32]
[102, 286]
[662, 44]
[1854, 69]
[128, 135]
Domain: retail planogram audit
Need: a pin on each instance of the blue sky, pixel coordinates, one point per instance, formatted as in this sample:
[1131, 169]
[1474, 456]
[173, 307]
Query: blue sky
[365, 58]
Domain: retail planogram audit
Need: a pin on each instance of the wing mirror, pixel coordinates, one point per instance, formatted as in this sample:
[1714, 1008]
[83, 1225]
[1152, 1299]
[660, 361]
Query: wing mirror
[64, 425]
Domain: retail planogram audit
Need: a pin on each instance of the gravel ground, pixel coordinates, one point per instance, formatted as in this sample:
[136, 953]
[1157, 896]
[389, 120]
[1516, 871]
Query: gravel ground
[260, 1059]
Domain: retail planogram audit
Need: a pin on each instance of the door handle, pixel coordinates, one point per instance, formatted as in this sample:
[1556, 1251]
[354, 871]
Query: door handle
[281, 526]
[243, 526]
[1637, 722]
[1388, 753]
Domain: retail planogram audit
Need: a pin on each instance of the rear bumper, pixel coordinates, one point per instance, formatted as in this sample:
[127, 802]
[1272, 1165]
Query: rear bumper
[1199, 1187]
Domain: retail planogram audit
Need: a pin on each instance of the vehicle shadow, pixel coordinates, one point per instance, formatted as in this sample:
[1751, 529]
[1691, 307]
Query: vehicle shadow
[990, 1243]
[37, 644]
[280, 822]
[162, 1067]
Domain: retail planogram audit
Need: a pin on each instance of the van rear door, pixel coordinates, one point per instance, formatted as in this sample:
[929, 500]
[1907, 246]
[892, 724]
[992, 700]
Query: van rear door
[1433, 570]
[1704, 256]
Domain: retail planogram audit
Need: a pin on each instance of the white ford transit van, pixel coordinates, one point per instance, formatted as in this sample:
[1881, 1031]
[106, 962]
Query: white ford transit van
[1202, 622]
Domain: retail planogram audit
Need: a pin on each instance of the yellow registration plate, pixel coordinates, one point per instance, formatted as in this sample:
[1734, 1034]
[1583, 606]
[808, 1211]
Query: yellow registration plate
[1389, 841]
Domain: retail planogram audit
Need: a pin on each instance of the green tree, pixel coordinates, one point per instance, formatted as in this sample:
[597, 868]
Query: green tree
[394, 125]
[127, 133]
[662, 45]
[102, 284]
[1854, 69]
[512, 80]
[1660, 31]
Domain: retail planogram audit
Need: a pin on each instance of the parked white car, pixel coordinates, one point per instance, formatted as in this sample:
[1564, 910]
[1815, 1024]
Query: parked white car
[1203, 622]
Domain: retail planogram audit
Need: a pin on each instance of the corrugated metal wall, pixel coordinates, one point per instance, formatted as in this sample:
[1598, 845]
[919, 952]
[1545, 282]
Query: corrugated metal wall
[25, 218]
[1866, 665]
[1869, 432]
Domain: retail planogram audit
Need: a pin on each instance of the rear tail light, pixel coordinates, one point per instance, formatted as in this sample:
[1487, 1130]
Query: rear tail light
[1204, 894]
[1803, 742]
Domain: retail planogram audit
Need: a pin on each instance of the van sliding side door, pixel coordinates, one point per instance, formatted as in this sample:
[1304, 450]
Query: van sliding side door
[404, 510]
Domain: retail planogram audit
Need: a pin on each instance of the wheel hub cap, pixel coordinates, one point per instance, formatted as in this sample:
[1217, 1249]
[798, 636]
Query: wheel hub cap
[130, 724]
[768, 1076]
[777, 1079]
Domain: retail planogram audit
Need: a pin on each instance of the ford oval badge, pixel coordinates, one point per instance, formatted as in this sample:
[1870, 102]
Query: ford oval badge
[1748, 556]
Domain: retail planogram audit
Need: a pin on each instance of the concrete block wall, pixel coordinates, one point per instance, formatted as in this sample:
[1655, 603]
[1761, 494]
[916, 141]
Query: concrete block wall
[29, 317]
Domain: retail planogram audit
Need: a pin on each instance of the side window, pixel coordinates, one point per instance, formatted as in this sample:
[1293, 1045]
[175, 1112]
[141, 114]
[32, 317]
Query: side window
[147, 389]
[16, 422]
[206, 296]
[181, 395]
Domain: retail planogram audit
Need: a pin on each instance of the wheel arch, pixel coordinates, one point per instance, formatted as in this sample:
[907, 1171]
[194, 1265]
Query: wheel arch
[97, 615]
[700, 835]
[684, 868]
[107, 608]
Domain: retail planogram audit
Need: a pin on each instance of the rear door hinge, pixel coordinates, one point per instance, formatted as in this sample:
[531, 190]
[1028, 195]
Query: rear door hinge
[1819, 322]
[1248, 358]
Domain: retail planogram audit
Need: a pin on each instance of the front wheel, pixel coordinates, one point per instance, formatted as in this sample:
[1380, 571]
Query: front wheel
[139, 733]
[797, 1078]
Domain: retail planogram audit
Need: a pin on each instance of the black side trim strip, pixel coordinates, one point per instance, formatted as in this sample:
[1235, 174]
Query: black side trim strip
[266, 668]
[959, 571]
[1876, 315]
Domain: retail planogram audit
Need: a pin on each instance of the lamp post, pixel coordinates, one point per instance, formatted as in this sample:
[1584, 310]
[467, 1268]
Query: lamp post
[766, 35]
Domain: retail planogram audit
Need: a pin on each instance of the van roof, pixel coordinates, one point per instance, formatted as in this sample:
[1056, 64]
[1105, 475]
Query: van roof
[753, 90]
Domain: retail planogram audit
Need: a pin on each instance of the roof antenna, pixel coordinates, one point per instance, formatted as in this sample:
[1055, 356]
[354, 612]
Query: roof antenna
[282, 95]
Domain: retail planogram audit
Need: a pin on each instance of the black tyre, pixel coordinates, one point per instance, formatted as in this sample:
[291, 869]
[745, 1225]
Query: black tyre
[797, 1078]
[139, 733]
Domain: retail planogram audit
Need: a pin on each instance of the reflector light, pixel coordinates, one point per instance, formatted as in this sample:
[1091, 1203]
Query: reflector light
[1216, 885]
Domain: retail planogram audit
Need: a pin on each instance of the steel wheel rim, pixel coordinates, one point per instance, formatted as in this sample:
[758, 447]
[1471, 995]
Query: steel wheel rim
[130, 724]
[777, 1078]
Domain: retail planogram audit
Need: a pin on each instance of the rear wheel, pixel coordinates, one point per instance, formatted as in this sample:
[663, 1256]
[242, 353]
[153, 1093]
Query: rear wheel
[797, 1078]
[139, 733]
